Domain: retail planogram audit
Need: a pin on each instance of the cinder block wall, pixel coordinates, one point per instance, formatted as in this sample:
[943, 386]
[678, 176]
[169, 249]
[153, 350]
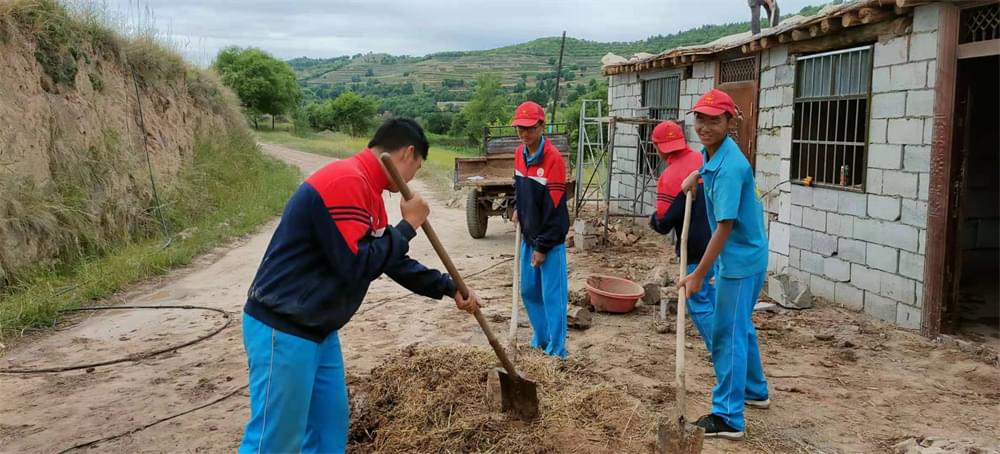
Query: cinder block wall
[625, 98]
[862, 250]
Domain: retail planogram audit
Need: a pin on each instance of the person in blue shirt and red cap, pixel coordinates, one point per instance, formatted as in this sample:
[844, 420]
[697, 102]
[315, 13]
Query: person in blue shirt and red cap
[669, 216]
[333, 240]
[540, 208]
[739, 242]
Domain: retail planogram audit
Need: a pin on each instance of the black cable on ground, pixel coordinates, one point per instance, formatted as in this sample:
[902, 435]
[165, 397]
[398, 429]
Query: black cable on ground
[133, 357]
[158, 421]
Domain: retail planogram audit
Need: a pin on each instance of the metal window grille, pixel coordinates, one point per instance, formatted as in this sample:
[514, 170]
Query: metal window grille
[830, 135]
[661, 97]
[980, 24]
[736, 70]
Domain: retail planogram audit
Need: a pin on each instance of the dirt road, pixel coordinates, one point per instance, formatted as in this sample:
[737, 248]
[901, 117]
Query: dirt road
[840, 382]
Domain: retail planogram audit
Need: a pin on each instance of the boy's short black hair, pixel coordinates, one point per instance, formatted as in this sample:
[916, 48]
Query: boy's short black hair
[397, 133]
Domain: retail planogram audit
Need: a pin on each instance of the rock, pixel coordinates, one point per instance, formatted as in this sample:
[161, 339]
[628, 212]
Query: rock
[789, 293]
[823, 336]
[610, 59]
[579, 317]
[570, 242]
[663, 327]
[765, 307]
[579, 298]
[493, 399]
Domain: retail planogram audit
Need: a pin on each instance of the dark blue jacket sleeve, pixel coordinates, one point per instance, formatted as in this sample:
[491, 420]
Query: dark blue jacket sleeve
[421, 280]
[673, 219]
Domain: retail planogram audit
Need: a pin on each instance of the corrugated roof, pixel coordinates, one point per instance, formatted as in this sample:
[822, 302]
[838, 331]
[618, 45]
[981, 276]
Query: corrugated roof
[830, 19]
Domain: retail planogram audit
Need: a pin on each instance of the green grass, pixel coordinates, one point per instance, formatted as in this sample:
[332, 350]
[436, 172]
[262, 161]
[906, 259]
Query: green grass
[437, 170]
[214, 202]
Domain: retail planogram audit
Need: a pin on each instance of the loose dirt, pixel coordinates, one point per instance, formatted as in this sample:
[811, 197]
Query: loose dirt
[840, 382]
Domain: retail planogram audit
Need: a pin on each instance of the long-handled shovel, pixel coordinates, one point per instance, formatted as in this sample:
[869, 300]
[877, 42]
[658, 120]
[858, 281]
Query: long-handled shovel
[677, 435]
[516, 287]
[518, 394]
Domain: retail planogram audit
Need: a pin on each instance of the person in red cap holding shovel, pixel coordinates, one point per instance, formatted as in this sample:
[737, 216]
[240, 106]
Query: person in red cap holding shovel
[670, 201]
[540, 208]
[739, 241]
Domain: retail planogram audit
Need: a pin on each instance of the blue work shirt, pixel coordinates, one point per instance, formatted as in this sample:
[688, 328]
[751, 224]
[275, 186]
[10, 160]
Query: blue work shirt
[730, 194]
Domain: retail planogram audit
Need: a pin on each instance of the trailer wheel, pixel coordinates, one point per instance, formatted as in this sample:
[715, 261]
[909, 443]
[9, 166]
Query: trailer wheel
[476, 216]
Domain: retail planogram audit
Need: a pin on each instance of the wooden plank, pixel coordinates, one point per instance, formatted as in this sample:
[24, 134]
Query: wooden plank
[850, 19]
[939, 187]
[979, 49]
[874, 15]
[855, 36]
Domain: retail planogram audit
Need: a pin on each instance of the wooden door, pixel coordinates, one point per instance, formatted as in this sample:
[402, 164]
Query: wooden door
[739, 78]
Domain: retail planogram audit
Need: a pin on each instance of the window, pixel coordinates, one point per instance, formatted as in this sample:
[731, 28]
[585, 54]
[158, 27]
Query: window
[737, 70]
[980, 24]
[661, 99]
[830, 133]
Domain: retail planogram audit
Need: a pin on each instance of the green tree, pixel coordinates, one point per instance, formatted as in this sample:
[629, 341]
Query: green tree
[487, 106]
[264, 84]
[439, 122]
[354, 114]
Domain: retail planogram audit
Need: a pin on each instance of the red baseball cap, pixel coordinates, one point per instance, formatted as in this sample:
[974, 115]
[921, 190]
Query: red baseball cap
[668, 137]
[528, 114]
[714, 103]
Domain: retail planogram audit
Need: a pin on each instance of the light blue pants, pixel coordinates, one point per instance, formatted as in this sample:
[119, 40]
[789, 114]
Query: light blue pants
[545, 293]
[736, 357]
[701, 306]
[298, 394]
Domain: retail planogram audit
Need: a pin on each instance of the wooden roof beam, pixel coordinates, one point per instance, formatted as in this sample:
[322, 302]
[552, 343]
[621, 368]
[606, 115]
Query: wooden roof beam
[799, 35]
[850, 19]
[785, 38]
[814, 31]
[830, 25]
[873, 15]
[766, 42]
[856, 37]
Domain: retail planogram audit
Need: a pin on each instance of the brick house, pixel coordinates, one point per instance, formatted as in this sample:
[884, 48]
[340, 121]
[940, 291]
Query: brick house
[872, 131]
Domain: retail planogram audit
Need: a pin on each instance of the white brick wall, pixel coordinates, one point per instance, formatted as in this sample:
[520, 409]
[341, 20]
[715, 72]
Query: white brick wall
[862, 250]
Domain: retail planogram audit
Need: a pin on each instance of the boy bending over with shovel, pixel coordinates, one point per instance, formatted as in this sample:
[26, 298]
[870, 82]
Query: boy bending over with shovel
[736, 218]
[333, 240]
[540, 202]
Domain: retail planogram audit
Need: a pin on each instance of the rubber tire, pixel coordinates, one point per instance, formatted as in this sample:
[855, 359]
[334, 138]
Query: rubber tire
[475, 217]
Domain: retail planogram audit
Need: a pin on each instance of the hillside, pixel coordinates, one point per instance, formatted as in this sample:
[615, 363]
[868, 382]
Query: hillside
[511, 63]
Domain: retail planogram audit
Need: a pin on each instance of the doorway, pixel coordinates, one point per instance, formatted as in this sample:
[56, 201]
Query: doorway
[738, 77]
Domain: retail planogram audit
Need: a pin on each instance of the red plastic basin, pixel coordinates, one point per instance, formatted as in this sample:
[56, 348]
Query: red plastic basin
[613, 294]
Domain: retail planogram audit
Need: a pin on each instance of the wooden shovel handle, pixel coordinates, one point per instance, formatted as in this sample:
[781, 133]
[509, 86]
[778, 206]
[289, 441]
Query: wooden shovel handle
[390, 168]
[682, 309]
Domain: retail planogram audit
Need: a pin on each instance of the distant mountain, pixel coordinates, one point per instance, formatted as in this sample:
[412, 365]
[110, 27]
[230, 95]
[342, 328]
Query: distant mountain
[525, 61]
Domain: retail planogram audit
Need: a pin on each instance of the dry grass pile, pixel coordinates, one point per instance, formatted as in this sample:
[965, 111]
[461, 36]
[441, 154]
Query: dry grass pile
[435, 400]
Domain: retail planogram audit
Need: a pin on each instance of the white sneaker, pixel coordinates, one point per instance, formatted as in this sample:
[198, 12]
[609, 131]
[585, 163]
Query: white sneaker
[759, 404]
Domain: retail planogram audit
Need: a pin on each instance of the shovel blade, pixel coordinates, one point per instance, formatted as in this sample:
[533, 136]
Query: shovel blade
[518, 395]
[677, 436]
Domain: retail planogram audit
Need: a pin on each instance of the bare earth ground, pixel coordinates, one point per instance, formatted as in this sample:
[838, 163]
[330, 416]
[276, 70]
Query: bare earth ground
[840, 382]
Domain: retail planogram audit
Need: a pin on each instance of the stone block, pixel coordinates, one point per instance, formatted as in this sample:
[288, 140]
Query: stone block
[909, 76]
[794, 256]
[898, 288]
[787, 96]
[849, 296]
[778, 56]
[789, 292]
[869, 230]
[900, 236]
[777, 263]
[906, 131]
[865, 278]
[852, 203]
[925, 18]
[814, 219]
[917, 158]
[836, 269]
[698, 70]
[883, 207]
[891, 52]
[783, 116]
[708, 84]
[877, 130]
[822, 288]
[825, 199]
[785, 142]
[882, 258]
[911, 265]
[802, 195]
[851, 250]
[885, 156]
[889, 105]
[873, 181]
[881, 80]
[778, 237]
[931, 73]
[839, 225]
[824, 244]
[928, 131]
[879, 307]
[785, 172]
[800, 238]
[794, 215]
[811, 262]
[920, 103]
[923, 186]
[768, 163]
[767, 78]
[914, 213]
[764, 121]
[922, 249]
[907, 317]
[784, 75]
[903, 184]
[923, 46]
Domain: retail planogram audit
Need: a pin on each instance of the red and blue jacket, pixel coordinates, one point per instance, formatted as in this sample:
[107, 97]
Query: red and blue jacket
[540, 196]
[670, 203]
[332, 241]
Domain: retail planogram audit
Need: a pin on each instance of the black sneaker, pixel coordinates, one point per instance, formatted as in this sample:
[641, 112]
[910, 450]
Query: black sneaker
[715, 426]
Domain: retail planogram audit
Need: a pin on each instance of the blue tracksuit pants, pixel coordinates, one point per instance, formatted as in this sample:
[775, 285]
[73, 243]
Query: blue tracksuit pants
[701, 306]
[298, 394]
[736, 357]
[545, 293]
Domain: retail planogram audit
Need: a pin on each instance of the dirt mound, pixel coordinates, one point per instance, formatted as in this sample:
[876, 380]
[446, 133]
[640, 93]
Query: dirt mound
[435, 400]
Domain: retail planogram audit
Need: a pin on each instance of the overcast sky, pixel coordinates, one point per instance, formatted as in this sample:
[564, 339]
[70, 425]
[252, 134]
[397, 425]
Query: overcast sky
[315, 28]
